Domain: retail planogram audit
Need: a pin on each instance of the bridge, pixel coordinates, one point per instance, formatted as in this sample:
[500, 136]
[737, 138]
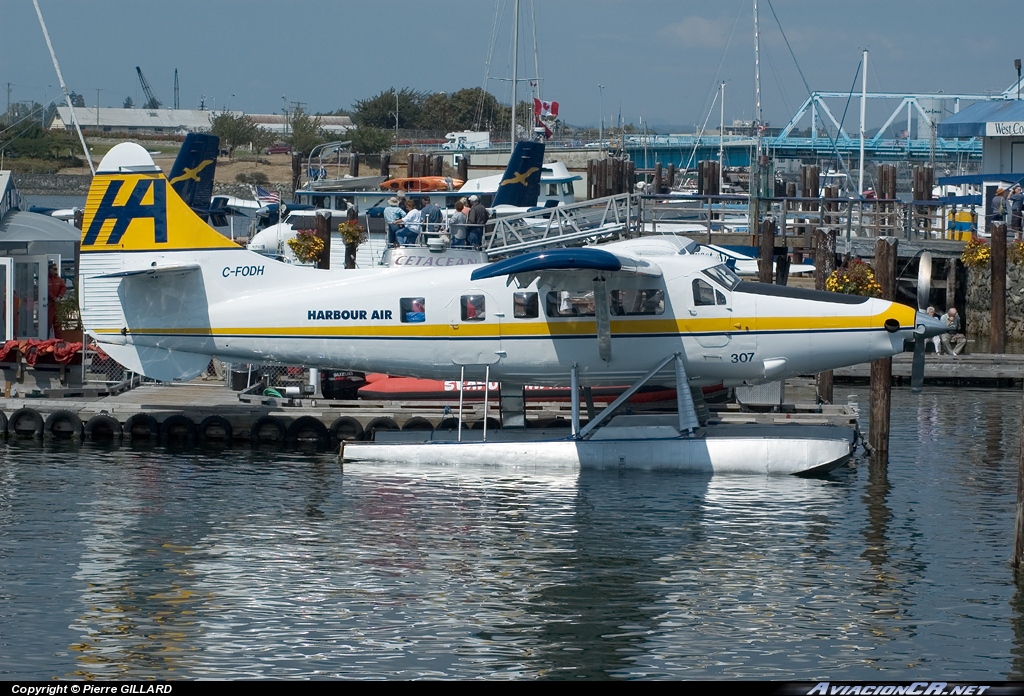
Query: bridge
[828, 137]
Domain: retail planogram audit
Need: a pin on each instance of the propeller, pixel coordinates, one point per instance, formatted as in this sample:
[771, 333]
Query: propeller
[924, 289]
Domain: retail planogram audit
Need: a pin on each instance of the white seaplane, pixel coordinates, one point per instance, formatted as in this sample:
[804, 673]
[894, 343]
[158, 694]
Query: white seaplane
[162, 292]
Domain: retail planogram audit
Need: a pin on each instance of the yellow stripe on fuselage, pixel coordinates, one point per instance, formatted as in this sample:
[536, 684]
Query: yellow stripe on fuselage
[903, 314]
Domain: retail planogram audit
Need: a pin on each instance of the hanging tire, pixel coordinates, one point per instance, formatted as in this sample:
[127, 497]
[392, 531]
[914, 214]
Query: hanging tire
[179, 430]
[25, 423]
[142, 427]
[103, 428]
[3, 425]
[215, 430]
[268, 430]
[346, 428]
[309, 431]
[381, 423]
[63, 425]
[449, 423]
[492, 424]
[418, 423]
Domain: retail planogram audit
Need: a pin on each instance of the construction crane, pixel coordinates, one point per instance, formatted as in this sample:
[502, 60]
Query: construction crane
[151, 101]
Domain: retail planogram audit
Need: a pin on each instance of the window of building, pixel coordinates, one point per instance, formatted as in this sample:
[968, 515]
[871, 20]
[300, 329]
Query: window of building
[472, 307]
[525, 305]
[412, 310]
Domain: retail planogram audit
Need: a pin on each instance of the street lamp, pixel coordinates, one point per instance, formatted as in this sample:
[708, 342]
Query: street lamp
[600, 128]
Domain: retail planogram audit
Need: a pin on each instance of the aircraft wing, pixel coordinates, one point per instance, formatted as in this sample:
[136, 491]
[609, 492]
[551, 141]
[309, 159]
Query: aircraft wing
[528, 266]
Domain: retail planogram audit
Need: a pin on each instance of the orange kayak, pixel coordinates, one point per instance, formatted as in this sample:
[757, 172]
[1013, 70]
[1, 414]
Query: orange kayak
[421, 183]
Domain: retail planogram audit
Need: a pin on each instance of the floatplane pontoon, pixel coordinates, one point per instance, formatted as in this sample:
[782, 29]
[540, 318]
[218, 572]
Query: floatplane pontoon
[162, 292]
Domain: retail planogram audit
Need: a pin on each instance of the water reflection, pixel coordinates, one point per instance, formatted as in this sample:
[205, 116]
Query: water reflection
[143, 563]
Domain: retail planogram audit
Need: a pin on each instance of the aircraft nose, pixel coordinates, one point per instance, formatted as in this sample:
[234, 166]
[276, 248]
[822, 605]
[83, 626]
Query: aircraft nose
[927, 326]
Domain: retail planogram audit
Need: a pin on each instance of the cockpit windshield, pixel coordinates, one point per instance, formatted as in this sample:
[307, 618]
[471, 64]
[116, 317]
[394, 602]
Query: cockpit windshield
[723, 275]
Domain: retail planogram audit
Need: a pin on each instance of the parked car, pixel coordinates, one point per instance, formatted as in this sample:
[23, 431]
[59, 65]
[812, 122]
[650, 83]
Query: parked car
[279, 150]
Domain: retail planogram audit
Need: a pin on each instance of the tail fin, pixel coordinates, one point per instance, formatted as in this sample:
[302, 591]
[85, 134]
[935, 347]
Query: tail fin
[130, 207]
[193, 170]
[520, 186]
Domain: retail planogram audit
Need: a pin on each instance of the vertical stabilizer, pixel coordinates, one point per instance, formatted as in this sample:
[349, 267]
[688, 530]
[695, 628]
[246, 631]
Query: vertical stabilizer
[520, 186]
[193, 170]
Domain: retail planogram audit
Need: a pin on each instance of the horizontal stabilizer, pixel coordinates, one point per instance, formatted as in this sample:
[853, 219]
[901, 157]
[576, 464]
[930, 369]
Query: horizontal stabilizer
[158, 363]
[175, 269]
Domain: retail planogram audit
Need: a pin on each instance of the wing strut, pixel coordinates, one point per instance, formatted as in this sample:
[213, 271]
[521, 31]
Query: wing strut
[688, 421]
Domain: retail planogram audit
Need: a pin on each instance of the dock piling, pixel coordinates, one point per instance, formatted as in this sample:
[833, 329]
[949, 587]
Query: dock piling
[824, 265]
[998, 322]
[881, 370]
[766, 247]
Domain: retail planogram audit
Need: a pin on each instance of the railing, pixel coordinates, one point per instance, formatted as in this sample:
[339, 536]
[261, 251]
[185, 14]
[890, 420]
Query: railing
[561, 226]
[700, 217]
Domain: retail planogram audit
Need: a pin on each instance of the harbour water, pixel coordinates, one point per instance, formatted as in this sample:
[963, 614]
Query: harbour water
[150, 563]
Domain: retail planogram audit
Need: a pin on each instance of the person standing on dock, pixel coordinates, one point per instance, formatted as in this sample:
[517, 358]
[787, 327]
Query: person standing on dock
[953, 341]
[1016, 207]
[997, 213]
[56, 289]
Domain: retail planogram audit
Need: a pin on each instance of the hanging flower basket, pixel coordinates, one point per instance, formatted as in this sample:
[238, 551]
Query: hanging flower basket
[306, 246]
[352, 234]
[855, 278]
[976, 253]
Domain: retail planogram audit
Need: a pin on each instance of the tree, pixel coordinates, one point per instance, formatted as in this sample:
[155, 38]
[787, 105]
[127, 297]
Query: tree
[262, 139]
[380, 110]
[437, 113]
[129, 103]
[476, 109]
[77, 100]
[371, 141]
[306, 132]
[233, 130]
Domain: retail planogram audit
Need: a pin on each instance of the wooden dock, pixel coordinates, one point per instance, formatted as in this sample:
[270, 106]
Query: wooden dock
[978, 369]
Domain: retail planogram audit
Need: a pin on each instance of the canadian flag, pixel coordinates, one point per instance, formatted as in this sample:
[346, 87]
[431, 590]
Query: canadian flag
[544, 109]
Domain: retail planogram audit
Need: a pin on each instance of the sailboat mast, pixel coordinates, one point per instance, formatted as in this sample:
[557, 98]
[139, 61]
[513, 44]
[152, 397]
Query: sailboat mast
[754, 215]
[721, 143]
[863, 109]
[515, 68]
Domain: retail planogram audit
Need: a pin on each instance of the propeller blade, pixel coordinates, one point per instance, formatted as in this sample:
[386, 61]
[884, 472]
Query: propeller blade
[924, 280]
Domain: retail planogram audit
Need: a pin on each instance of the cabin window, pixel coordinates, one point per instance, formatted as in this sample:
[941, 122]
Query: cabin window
[637, 302]
[472, 307]
[553, 190]
[412, 310]
[570, 303]
[321, 202]
[724, 275]
[704, 294]
[525, 305]
[302, 222]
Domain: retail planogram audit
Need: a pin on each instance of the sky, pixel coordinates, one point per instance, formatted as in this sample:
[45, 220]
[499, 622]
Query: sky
[660, 61]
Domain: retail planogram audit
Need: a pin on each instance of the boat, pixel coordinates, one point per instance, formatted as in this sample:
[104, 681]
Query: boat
[422, 183]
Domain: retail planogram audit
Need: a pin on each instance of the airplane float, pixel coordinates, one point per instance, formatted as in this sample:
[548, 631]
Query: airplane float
[163, 292]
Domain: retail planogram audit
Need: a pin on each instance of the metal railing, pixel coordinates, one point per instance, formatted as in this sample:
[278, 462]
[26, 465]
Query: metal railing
[566, 225]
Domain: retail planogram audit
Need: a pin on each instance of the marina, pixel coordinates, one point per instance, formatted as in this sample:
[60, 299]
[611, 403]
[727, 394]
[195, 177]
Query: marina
[144, 562]
[414, 387]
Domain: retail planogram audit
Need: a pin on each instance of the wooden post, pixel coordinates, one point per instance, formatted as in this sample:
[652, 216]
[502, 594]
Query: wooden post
[997, 342]
[824, 264]
[881, 370]
[951, 283]
[657, 178]
[464, 168]
[766, 249]
[670, 178]
[296, 171]
[323, 231]
[1018, 536]
[353, 164]
[385, 164]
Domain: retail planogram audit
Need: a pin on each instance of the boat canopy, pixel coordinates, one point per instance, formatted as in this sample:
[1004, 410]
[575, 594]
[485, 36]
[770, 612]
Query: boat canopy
[972, 121]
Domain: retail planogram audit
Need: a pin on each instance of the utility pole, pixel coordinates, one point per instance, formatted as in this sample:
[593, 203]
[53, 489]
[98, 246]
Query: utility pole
[600, 127]
[98, 90]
